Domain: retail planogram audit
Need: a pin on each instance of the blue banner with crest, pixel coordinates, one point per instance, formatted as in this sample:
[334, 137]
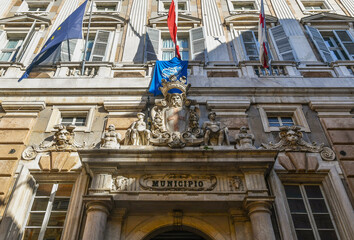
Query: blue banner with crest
[164, 69]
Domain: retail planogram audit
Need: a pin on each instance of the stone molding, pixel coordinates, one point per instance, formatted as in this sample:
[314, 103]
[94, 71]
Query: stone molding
[98, 203]
[23, 108]
[257, 204]
[124, 107]
[333, 108]
[238, 215]
[228, 108]
[118, 214]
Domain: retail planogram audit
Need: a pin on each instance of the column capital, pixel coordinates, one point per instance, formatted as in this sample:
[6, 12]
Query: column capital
[98, 203]
[258, 204]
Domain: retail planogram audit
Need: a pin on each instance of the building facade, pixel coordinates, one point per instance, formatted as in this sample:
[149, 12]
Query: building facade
[239, 153]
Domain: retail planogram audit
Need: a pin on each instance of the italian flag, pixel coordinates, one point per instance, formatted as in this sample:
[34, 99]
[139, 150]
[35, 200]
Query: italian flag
[172, 21]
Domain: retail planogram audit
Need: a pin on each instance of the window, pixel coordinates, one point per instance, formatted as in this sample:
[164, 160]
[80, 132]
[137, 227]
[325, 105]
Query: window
[106, 6]
[35, 7]
[309, 212]
[8, 53]
[242, 6]
[80, 116]
[274, 116]
[160, 46]
[164, 6]
[332, 45]
[48, 212]
[314, 6]
[250, 45]
[278, 121]
[168, 48]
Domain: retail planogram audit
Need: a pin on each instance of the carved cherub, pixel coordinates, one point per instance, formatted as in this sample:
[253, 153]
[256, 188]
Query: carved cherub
[110, 138]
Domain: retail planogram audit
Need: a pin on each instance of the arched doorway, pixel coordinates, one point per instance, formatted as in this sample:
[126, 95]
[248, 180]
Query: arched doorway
[185, 233]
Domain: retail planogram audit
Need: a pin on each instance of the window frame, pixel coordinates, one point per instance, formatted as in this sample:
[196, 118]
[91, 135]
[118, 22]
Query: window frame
[26, 5]
[309, 212]
[49, 209]
[232, 10]
[14, 50]
[59, 111]
[294, 110]
[162, 11]
[325, 3]
[165, 35]
[118, 6]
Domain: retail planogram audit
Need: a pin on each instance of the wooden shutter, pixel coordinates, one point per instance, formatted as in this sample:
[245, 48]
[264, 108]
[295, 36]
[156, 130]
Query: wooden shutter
[282, 44]
[100, 46]
[26, 42]
[346, 42]
[197, 39]
[152, 44]
[250, 46]
[66, 47]
[320, 44]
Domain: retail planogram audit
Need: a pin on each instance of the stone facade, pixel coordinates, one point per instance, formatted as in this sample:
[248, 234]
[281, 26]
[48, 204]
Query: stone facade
[241, 153]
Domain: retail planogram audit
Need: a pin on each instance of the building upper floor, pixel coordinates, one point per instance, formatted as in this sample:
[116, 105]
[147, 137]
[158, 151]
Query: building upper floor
[307, 38]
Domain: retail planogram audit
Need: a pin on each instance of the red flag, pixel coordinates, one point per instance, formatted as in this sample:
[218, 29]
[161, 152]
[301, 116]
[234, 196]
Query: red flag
[262, 39]
[172, 26]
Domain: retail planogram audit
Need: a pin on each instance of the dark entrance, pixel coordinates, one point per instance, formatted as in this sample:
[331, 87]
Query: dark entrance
[177, 235]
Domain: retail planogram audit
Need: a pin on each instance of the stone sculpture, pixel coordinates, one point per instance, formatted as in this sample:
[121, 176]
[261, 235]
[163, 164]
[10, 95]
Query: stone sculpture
[175, 120]
[63, 140]
[138, 134]
[244, 140]
[214, 134]
[291, 140]
[110, 139]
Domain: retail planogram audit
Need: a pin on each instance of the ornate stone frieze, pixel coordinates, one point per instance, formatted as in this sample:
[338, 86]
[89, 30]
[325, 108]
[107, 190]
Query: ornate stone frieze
[244, 140]
[178, 182]
[63, 141]
[236, 184]
[291, 141]
[121, 183]
[110, 139]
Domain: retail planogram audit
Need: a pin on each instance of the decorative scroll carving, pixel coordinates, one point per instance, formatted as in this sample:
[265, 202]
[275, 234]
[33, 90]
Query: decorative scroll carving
[63, 141]
[244, 140]
[178, 182]
[291, 140]
[175, 120]
[110, 139]
[236, 184]
[214, 134]
[121, 183]
[137, 134]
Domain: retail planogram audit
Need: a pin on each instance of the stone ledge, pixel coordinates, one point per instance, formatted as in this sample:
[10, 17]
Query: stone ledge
[23, 106]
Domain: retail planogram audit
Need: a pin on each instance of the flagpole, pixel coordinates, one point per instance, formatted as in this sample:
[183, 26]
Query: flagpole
[176, 9]
[87, 38]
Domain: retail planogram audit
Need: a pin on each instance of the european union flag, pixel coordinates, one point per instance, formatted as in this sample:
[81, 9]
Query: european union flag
[164, 69]
[71, 28]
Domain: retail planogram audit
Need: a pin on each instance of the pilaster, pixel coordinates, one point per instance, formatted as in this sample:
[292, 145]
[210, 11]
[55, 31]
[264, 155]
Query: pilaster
[15, 129]
[114, 224]
[241, 223]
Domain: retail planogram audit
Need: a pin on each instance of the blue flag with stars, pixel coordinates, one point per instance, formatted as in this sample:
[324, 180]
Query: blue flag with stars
[164, 69]
[71, 28]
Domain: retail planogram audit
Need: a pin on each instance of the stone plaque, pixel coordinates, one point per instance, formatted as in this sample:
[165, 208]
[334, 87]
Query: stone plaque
[178, 182]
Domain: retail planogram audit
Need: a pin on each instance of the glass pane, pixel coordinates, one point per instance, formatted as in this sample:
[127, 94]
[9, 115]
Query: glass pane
[57, 219]
[305, 235]
[287, 121]
[31, 234]
[251, 49]
[182, 6]
[40, 204]
[313, 191]
[64, 190]
[67, 120]
[80, 121]
[35, 219]
[61, 204]
[182, 42]
[328, 235]
[323, 221]
[273, 122]
[185, 55]
[44, 189]
[301, 221]
[53, 233]
[12, 43]
[167, 43]
[297, 205]
[5, 56]
[167, 55]
[292, 191]
[318, 206]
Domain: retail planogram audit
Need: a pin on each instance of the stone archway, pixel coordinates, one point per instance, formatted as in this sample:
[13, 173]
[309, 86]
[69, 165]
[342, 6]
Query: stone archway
[185, 233]
[160, 224]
